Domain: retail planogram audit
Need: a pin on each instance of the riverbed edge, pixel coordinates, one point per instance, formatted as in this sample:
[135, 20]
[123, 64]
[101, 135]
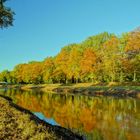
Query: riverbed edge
[119, 90]
[61, 132]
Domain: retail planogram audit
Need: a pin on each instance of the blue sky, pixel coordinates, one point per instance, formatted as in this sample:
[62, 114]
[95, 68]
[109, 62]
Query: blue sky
[42, 27]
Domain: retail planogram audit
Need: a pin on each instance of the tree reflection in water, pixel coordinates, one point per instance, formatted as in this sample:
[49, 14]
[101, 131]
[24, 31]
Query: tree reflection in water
[98, 118]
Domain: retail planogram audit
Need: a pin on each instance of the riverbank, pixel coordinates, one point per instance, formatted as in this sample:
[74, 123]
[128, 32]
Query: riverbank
[18, 123]
[90, 89]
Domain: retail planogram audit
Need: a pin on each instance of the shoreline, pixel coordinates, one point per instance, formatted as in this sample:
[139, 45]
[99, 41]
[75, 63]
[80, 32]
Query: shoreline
[17, 120]
[118, 90]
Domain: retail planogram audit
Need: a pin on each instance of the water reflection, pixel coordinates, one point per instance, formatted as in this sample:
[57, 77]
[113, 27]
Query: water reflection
[99, 118]
[42, 117]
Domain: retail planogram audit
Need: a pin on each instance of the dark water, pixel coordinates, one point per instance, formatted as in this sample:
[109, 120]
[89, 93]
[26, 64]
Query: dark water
[98, 118]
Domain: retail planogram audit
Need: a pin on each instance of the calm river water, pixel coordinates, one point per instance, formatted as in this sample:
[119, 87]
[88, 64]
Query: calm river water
[97, 118]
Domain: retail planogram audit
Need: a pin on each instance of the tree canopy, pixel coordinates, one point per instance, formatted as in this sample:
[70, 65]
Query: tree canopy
[100, 58]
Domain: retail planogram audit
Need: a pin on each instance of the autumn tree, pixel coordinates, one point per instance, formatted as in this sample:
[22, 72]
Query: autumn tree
[62, 64]
[133, 44]
[88, 64]
[111, 59]
[48, 68]
[132, 51]
[33, 73]
[74, 70]
[19, 71]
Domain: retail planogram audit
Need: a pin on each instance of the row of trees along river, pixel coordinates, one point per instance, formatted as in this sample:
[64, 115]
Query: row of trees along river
[102, 58]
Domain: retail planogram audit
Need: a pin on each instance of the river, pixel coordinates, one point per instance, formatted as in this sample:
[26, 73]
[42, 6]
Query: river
[97, 118]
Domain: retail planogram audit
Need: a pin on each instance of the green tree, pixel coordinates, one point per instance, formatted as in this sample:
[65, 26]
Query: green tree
[5, 76]
[6, 15]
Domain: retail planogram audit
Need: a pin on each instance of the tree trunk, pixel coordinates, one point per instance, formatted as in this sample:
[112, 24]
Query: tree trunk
[72, 79]
[121, 76]
[134, 76]
[65, 80]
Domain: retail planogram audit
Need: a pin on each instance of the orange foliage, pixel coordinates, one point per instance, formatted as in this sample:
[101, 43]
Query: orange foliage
[133, 43]
[88, 62]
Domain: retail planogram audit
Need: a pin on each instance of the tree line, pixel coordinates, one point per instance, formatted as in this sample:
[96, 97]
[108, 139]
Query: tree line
[100, 58]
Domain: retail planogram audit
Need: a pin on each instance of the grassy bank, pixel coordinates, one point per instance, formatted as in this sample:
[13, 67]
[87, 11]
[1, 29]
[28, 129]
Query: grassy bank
[110, 89]
[17, 123]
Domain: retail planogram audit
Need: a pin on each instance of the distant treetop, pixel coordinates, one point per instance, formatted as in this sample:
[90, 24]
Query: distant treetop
[137, 29]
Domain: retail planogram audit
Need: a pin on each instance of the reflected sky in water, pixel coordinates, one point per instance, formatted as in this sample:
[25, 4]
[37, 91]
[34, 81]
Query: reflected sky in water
[98, 118]
[42, 117]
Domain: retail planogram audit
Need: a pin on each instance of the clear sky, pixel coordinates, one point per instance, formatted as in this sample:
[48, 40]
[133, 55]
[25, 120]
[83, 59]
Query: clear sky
[42, 27]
